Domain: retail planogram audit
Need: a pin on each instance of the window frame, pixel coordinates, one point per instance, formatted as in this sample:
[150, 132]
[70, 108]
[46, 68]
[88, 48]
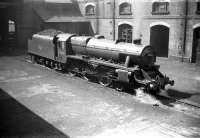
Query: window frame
[125, 33]
[125, 4]
[87, 13]
[156, 9]
[198, 7]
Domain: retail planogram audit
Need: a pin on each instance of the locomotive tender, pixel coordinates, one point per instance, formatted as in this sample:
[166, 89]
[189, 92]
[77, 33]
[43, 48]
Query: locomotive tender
[111, 63]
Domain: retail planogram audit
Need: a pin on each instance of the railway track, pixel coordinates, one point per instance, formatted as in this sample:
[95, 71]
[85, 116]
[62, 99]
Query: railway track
[180, 101]
[181, 105]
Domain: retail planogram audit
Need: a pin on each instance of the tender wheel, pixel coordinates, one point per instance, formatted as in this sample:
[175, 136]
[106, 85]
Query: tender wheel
[46, 63]
[33, 60]
[62, 67]
[37, 59]
[51, 64]
[105, 81]
[59, 66]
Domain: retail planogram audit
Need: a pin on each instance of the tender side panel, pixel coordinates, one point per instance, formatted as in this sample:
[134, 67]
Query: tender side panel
[41, 47]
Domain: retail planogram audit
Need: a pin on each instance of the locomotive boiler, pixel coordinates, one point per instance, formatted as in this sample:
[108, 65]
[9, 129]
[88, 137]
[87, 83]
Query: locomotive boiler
[111, 63]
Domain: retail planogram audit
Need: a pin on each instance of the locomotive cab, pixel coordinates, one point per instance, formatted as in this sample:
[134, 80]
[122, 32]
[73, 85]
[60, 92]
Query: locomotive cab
[62, 46]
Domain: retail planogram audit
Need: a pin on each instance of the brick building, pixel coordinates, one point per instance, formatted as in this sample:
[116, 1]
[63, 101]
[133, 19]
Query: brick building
[172, 27]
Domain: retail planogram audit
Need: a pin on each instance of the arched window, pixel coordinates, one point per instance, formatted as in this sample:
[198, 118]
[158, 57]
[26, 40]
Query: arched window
[125, 9]
[198, 7]
[125, 33]
[160, 8]
[90, 10]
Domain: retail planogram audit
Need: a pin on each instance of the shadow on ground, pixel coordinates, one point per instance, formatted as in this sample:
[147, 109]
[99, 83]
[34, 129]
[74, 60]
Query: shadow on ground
[18, 121]
[171, 96]
[178, 94]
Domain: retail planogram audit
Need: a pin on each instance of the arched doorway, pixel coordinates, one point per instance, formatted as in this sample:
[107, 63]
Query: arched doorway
[159, 39]
[125, 32]
[196, 46]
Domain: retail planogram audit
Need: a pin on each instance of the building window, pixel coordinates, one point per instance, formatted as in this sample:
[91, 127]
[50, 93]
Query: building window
[198, 8]
[125, 9]
[90, 10]
[160, 8]
[125, 33]
[11, 26]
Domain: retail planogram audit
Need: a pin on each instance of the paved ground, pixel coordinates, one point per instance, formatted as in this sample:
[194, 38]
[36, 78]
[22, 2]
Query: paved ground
[35, 101]
[187, 80]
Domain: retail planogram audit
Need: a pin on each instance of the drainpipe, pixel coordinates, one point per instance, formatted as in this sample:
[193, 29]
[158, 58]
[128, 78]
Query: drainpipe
[185, 29]
[97, 17]
[113, 19]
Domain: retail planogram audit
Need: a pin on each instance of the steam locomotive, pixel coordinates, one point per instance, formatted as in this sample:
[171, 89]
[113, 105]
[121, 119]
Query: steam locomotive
[111, 63]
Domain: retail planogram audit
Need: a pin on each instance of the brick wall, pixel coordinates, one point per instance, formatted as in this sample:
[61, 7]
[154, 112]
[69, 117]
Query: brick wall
[105, 21]
[175, 21]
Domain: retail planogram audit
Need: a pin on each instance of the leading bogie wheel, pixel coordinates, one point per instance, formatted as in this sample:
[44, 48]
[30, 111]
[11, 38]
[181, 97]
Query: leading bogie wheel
[105, 81]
